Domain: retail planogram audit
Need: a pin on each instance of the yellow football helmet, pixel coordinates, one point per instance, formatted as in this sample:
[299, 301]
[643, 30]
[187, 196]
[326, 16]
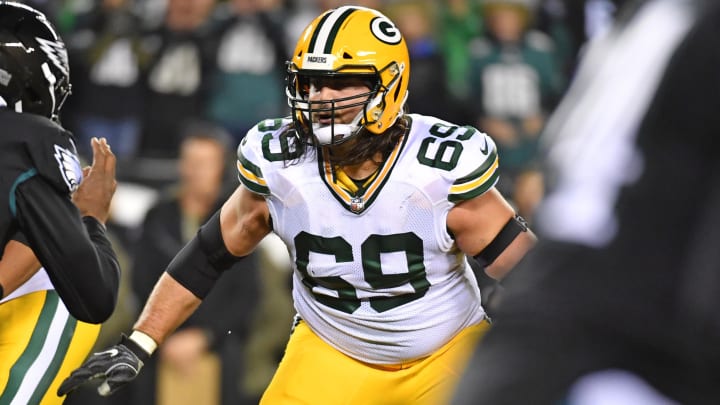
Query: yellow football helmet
[349, 41]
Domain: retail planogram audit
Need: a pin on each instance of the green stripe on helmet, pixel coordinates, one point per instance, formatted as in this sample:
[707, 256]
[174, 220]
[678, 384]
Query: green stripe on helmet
[333, 32]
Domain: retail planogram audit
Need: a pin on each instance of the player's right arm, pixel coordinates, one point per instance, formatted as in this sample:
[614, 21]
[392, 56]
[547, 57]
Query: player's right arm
[244, 220]
[229, 235]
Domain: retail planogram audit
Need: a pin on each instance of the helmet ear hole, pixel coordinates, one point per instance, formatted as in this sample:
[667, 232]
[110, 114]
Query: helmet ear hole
[347, 56]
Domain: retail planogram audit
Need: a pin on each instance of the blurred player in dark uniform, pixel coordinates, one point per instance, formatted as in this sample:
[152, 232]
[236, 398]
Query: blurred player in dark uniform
[627, 274]
[58, 274]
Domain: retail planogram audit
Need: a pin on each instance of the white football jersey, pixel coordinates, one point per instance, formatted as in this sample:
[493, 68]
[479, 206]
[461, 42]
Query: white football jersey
[376, 273]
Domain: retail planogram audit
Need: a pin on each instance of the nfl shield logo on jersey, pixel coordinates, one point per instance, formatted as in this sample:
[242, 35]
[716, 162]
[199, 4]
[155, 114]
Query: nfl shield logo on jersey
[357, 204]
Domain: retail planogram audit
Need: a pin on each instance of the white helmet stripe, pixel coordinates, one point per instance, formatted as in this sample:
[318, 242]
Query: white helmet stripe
[327, 30]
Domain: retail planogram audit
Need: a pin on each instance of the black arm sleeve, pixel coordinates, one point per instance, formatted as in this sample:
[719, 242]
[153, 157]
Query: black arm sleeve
[202, 261]
[75, 252]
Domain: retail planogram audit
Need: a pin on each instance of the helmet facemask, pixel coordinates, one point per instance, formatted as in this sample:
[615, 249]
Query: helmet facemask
[59, 90]
[306, 113]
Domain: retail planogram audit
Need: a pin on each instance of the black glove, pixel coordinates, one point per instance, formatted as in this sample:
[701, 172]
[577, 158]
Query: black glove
[116, 366]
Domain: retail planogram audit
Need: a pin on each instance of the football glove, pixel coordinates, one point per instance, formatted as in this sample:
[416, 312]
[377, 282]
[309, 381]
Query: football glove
[116, 366]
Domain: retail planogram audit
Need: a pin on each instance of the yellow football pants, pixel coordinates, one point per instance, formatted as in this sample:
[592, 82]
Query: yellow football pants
[314, 373]
[40, 344]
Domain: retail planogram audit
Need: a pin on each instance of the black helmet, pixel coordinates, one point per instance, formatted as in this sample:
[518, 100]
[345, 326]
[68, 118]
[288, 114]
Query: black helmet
[34, 70]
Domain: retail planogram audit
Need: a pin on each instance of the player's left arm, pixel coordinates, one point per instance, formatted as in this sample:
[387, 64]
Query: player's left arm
[487, 228]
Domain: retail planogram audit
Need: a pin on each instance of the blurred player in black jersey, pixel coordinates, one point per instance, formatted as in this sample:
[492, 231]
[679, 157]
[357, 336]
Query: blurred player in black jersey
[58, 273]
[625, 283]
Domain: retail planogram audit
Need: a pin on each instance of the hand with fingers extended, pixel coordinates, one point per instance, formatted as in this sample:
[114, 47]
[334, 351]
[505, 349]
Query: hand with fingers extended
[95, 192]
[115, 367]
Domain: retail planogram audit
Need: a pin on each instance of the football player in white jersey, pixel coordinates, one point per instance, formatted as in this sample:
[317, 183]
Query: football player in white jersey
[378, 208]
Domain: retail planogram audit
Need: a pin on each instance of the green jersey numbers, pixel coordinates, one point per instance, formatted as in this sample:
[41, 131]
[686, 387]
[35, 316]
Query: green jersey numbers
[270, 125]
[445, 153]
[362, 274]
[275, 145]
[347, 300]
[469, 154]
[284, 150]
[371, 258]
[412, 246]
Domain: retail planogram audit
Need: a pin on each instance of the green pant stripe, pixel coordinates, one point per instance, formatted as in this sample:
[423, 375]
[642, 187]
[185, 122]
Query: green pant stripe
[57, 361]
[20, 368]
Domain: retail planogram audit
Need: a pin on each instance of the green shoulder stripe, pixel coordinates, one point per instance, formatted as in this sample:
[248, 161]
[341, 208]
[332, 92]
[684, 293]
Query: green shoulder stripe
[488, 164]
[472, 193]
[477, 182]
[251, 175]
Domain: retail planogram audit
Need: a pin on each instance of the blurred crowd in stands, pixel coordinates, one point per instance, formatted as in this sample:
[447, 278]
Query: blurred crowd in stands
[175, 84]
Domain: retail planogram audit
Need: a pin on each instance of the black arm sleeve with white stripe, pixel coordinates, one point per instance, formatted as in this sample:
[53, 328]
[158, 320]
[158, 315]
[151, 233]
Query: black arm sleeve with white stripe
[75, 251]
